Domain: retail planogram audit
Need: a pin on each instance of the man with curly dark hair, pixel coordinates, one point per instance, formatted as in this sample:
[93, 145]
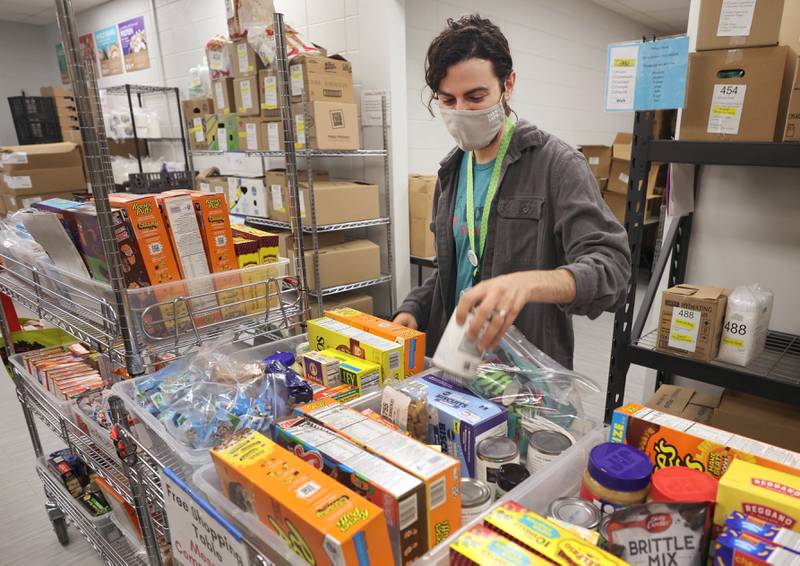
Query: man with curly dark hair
[522, 234]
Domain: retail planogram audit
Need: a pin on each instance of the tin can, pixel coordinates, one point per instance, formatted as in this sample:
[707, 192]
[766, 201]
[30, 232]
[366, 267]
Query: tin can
[492, 453]
[476, 498]
[575, 511]
[543, 446]
[509, 477]
[456, 354]
[603, 530]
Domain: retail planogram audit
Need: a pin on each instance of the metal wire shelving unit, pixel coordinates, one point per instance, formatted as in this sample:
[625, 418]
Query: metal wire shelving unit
[112, 321]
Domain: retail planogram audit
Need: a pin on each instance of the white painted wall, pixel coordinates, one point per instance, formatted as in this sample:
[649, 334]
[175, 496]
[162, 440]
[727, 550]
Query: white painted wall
[559, 51]
[28, 62]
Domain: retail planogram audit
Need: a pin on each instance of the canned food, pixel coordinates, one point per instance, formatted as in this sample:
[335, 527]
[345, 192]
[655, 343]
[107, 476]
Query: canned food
[510, 476]
[476, 498]
[492, 453]
[575, 511]
[543, 446]
[603, 530]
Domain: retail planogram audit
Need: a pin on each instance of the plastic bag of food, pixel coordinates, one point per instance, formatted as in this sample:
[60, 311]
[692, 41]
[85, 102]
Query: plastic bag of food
[744, 332]
[244, 15]
[405, 404]
[218, 53]
[200, 80]
[262, 40]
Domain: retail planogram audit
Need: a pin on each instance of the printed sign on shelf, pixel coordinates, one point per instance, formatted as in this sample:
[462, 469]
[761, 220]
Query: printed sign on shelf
[647, 76]
[134, 44]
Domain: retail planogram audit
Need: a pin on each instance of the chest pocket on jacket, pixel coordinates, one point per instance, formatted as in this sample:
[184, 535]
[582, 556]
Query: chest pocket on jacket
[517, 234]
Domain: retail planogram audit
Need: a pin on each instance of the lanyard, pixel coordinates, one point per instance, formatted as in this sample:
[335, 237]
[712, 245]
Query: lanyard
[494, 181]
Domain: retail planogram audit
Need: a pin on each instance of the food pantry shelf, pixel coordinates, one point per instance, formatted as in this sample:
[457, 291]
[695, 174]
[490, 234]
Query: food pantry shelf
[140, 89]
[279, 225]
[351, 286]
[301, 153]
[762, 154]
[775, 374]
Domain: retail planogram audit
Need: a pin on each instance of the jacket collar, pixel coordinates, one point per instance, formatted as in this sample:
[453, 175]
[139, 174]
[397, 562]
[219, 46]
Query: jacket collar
[525, 135]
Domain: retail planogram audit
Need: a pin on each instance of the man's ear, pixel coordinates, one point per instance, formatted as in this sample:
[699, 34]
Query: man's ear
[510, 81]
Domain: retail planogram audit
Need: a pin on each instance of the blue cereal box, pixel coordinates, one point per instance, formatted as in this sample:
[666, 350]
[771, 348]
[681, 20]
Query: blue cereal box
[459, 420]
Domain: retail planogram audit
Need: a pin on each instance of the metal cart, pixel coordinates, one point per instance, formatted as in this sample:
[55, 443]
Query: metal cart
[111, 321]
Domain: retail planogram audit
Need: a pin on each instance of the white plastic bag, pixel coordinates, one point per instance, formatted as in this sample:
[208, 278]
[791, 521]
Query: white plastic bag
[744, 332]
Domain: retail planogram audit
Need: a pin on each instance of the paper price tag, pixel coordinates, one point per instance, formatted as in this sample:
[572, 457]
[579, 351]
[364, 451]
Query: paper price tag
[277, 198]
[624, 177]
[14, 158]
[300, 130]
[198, 533]
[270, 93]
[296, 79]
[199, 134]
[23, 182]
[219, 96]
[273, 137]
[726, 109]
[252, 136]
[244, 63]
[247, 96]
[594, 161]
[215, 60]
[736, 18]
[683, 329]
[222, 138]
[205, 187]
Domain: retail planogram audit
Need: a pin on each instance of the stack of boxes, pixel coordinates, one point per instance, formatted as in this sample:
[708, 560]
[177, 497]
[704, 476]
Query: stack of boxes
[67, 111]
[742, 82]
[421, 189]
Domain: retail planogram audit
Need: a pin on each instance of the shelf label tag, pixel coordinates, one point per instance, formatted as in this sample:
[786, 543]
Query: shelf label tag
[726, 109]
[296, 79]
[270, 93]
[273, 137]
[736, 18]
[683, 329]
[198, 533]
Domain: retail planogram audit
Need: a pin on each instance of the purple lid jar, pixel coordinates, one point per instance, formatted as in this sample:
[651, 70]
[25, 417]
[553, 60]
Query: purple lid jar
[620, 467]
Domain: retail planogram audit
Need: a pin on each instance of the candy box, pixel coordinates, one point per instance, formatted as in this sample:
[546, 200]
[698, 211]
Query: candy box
[324, 333]
[480, 546]
[363, 375]
[760, 492]
[536, 534]
[459, 420]
[674, 441]
[732, 548]
[401, 495]
[413, 341]
[439, 472]
[320, 519]
[768, 532]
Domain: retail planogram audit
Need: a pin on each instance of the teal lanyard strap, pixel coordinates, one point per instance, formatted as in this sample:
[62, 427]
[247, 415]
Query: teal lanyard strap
[491, 191]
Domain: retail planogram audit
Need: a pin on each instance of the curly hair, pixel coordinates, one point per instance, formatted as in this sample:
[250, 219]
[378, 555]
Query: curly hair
[465, 38]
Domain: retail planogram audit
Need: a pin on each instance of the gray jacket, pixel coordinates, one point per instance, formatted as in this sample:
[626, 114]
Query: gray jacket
[547, 213]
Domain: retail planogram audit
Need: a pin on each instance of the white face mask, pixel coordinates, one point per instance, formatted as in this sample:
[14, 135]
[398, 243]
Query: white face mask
[474, 129]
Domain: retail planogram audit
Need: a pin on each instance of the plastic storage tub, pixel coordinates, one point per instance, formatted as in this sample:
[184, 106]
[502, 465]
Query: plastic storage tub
[101, 436]
[64, 407]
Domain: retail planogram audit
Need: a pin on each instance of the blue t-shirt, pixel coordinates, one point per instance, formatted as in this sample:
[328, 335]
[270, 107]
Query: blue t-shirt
[481, 175]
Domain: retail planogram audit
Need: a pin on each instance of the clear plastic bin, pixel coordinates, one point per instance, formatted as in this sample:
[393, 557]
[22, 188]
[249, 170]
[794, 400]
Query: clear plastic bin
[268, 543]
[100, 435]
[64, 407]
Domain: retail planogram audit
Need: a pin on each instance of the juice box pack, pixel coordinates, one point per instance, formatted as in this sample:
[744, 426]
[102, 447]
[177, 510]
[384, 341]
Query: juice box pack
[459, 420]
[536, 534]
[674, 441]
[320, 519]
[760, 492]
[324, 333]
[480, 546]
[440, 473]
[399, 494]
[413, 341]
[363, 375]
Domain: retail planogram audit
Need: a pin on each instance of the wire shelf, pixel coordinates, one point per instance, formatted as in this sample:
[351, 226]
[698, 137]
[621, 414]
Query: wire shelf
[302, 153]
[117, 552]
[140, 89]
[280, 225]
[352, 286]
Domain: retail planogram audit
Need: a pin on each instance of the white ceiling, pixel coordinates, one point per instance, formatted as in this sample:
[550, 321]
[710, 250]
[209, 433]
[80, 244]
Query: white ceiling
[38, 12]
[664, 16]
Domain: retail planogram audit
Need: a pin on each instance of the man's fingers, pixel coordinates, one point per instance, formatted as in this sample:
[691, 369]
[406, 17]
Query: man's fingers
[468, 300]
[494, 331]
[483, 314]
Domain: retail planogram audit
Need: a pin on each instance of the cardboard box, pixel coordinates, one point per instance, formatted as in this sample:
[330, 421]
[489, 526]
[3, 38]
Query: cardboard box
[398, 493]
[602, 183]
[273, 134]
[247, 196]
[328, 522]
[758, 418]
[268, 93]
[14, 203]
[321, 78]
[674, 441]
[723, 24]
[252, 134]
[222, 132]
[365, 376]
[325, 333]
[743, 103]
[691, 318]
[413, 341]
[439, 472]
[197, 108]
[622, 146]
[47, 168]
[480, 545]
[245, 61]
[461, 421]
[211, 182]
[65, 104]
[598, 157]
[245, 92]
[790, 112]
[220, 60]
[71, 135]
[618, 202]
[329, 125]
[760, 492]
[268, 244]
[224, 98]
[342, 264]
[421, 191]
[55, 91]
[279, 195]
[684, 402]
[354, 299]
[197, 133]
[790, 25]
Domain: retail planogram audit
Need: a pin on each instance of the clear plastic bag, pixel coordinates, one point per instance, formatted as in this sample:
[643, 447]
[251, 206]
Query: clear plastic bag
[744, 332]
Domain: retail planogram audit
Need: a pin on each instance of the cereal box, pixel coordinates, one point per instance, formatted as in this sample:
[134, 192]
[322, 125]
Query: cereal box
[401, 495]
[439, 472]
[413, 341]
[459, 420]
[538, 535]
[324, 333]
[247, 256]
[763, 530]
[480, 546]
[732, 548]
[268, 243]
[674, 441]
[322, 369]
[320, 519]
[363, 375]
[760, 492]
